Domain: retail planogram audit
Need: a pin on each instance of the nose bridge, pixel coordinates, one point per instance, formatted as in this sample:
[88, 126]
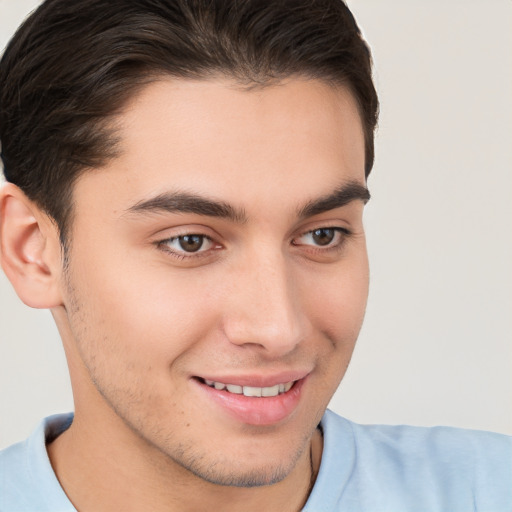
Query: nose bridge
[265, 310]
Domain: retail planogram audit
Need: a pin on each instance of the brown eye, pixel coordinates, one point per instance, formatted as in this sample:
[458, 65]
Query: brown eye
[191, 243]
[188, 246]
[323, 236]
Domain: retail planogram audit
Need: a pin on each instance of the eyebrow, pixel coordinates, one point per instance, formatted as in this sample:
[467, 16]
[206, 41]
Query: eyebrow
[343, 195]
[185, 202]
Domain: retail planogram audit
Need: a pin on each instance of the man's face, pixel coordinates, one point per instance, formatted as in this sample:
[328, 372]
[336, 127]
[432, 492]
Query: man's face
[225, 246]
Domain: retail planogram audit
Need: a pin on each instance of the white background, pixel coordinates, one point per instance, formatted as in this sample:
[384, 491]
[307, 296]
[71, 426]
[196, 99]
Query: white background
[436, 347]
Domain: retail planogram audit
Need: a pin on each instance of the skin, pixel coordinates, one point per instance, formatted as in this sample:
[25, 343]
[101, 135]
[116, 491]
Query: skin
[141, 319]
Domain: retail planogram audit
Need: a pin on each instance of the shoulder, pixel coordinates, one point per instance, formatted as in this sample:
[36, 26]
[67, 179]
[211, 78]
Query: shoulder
[433, 444]
[27, 480]
[14, 473]
[440, 448]
[401, 467]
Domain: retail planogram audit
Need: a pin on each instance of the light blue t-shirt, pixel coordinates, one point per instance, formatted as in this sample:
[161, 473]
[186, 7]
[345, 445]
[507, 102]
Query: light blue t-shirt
[365, 468]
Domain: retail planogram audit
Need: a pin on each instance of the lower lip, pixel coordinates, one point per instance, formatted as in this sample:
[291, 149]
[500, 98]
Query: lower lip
[256, 410]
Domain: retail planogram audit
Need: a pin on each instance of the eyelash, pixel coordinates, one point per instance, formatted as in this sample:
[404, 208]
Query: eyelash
[181, 255]
[341, 233]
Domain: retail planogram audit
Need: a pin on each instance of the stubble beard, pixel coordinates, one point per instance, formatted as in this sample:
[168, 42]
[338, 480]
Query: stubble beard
[168, 450]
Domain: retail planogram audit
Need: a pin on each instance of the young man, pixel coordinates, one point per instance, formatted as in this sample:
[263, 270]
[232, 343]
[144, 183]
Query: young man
[186, 182]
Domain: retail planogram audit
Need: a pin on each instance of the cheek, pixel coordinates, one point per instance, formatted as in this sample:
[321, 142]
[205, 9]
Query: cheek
[144, 316]
[336, 299]
[337, 310]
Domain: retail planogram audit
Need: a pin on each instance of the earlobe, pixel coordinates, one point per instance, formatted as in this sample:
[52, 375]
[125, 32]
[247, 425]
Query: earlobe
[29, 249]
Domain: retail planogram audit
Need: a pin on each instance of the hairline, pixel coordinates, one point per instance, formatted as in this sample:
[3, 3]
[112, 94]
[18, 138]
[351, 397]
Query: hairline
[112, 132]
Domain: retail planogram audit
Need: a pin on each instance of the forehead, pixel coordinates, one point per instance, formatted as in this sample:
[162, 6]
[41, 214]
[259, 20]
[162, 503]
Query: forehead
[302, 137]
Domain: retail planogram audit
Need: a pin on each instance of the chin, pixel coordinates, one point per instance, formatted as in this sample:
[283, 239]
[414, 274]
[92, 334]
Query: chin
[239, 468]
[254, 477]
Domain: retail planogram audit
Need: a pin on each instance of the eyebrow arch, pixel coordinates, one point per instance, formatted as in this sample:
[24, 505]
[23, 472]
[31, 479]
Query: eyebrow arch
[184, 202]
[351, 191]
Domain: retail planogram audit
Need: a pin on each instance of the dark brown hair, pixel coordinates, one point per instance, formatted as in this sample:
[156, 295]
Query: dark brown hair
[73, 64]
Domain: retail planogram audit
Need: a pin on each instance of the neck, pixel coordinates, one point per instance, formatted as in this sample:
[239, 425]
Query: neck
[102, 473]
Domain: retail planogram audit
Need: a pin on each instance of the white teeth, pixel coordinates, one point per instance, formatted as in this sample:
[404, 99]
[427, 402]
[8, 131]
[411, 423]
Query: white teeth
[272, 391]
[233, 388]
[251, 390]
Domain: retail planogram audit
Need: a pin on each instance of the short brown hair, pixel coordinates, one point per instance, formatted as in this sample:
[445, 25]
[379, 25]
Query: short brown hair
[72, 65]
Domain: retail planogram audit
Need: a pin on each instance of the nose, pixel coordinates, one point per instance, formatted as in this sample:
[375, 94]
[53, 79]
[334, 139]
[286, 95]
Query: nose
[264, 308]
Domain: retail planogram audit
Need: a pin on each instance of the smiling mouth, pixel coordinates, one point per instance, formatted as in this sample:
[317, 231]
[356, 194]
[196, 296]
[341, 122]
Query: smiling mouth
[251, 391]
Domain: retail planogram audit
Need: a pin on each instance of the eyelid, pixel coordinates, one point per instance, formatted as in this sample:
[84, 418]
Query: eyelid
[340, 230]
[163, 243]
[183, 251]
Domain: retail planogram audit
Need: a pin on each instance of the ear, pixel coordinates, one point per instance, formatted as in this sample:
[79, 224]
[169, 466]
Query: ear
[30, 249]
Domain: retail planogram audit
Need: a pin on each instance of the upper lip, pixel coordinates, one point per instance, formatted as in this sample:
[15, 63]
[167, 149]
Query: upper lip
[258, 380]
